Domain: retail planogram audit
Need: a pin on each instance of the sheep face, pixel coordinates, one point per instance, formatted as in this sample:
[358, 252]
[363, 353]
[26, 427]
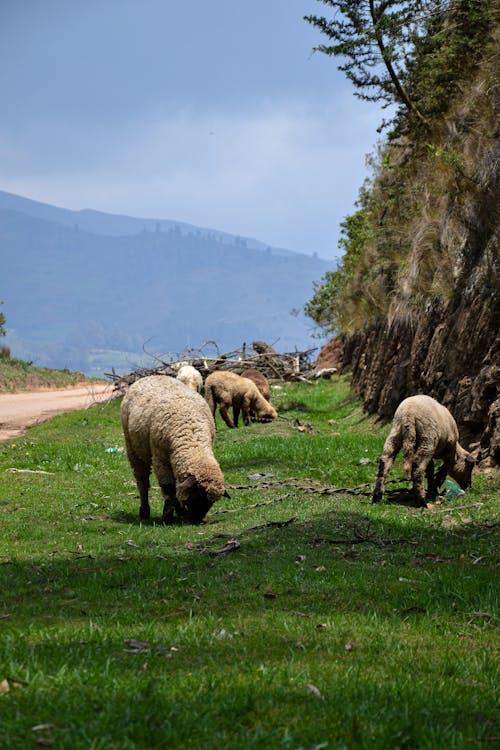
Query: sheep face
[461, 471]
[195, 500]
[266, 413]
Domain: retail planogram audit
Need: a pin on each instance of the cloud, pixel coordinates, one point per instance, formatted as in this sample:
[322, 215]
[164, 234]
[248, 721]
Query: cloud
[284, 174]
[212, 114]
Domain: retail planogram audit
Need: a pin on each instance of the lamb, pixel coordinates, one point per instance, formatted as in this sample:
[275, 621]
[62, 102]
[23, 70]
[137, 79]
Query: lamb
[228, 389]
[425, 430]
[260, 381]
[169, 427]
[190, 376]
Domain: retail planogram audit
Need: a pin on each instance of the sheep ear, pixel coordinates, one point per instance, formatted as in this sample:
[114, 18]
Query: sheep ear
[189, 482]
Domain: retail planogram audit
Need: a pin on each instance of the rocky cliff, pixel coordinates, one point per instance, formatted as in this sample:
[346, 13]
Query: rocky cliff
[449, 346]
[416, 302]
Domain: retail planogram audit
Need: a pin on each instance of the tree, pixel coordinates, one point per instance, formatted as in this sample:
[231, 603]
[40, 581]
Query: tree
[3, 332]
[437, 62]
[455, 40]
[376, 38]
[330, 307]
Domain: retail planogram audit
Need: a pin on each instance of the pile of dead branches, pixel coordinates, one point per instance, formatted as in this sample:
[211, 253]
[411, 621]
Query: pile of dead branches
[207, 358]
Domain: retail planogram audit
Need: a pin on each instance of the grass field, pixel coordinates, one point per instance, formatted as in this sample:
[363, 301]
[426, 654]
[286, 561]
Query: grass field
[327, 623]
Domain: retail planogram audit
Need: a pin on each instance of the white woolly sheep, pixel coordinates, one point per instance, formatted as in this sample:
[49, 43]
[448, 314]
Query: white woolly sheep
[425, 430]
[169, 427]
[177, 365]
[230, 390]
[190, 376]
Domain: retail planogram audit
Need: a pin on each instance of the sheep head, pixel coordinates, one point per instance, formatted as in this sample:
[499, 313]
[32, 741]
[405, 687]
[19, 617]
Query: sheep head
[197, 495]
[266, 411]
[461, 471]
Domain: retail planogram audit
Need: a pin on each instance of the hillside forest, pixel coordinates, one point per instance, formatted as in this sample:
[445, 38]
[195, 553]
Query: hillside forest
[413, 305]
[110, 291]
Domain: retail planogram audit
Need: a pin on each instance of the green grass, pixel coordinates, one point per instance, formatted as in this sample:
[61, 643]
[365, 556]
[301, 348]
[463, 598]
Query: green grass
[355, 625]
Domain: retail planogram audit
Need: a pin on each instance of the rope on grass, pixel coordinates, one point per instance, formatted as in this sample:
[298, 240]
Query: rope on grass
[306, 485]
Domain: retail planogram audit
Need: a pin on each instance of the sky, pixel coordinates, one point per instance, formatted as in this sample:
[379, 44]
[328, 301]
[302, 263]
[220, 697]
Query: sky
[213, 113]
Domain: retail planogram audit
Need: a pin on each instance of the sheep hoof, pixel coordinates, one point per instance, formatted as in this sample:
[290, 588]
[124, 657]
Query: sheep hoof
[167, 519]
[144, 513]
[376, 498]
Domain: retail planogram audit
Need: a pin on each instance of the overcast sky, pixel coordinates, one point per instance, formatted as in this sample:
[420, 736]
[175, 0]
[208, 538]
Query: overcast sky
[214, 113]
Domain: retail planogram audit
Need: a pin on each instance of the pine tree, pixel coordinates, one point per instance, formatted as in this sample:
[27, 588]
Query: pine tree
[376, 39]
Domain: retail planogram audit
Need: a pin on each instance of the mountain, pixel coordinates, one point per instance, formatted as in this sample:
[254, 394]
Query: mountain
[91, 300]
[117, 225]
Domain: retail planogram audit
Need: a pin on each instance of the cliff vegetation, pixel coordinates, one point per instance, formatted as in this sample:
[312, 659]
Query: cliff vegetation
[415, 299]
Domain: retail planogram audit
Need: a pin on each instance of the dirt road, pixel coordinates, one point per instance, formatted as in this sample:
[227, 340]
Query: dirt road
[19, 411]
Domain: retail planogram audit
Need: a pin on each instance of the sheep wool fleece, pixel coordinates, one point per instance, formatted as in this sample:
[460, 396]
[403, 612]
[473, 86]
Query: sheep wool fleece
[169, 426]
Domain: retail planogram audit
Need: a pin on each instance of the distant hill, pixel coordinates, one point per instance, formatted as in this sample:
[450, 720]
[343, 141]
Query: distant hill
[116, 225]
[86, 290]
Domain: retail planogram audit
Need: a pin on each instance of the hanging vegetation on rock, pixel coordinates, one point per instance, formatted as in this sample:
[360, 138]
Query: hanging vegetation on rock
[415, 298]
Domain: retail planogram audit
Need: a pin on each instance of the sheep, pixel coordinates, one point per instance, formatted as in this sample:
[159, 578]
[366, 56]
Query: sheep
[229, 389]
[260, 381]
[425, 430]
[190, 376]
[262, 384]
[177, 365]
[169, 427]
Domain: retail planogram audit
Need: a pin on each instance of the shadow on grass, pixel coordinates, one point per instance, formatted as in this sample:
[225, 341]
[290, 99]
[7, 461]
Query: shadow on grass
[266, 618]
[352, 560]
[179, 703]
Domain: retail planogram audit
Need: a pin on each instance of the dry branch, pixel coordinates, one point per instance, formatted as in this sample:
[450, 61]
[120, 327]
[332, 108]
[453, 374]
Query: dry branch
[207, 359]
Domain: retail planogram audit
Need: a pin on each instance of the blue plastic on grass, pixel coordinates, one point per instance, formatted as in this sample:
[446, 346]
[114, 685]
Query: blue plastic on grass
[451, 490]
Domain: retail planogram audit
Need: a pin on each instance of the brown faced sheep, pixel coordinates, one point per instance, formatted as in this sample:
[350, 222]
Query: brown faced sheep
[190, 376]
[260, 381]
[169, 427]
[230, 390]
[425, 430]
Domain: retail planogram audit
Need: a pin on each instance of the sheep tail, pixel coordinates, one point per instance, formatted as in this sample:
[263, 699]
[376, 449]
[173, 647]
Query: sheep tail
[209, 396]
[409, 444]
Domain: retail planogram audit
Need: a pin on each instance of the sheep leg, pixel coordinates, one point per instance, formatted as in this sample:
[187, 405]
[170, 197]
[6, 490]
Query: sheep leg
[141, 473]
[142, 481]
[432, 487]
[378, 490]
[236, 414]
[165, 477]
[441, 475]
[245, 409]
[171, 504]
[392, 447]
[418, 472]
[225, 414]
[384, 464]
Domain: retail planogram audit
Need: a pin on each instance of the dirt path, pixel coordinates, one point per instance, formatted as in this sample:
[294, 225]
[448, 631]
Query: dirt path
[19, 411]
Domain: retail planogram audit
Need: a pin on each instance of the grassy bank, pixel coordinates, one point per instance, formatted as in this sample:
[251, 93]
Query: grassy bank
[18, 375]
[334, 624]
